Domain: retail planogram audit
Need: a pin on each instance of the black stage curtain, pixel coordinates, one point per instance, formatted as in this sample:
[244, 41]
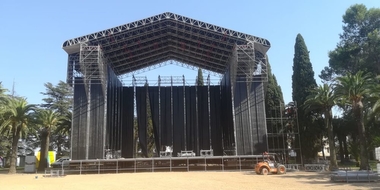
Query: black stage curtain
[257, 105]
[127, 121]
[141, 99]
[191, 119]
[78, 132]
[215, 117]
[154, 110]
[96, 121]
[178, 119]
[166, 116]
[203, 118]
[114, 88]
[227, 122]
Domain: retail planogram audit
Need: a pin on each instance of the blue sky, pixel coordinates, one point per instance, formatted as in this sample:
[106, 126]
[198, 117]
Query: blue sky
[32, 33]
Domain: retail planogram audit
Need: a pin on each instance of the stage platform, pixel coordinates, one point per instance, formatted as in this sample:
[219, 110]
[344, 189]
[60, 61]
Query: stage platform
[163, 164]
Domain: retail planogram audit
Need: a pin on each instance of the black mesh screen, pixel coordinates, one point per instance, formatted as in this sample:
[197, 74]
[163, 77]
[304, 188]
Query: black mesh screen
[191, 119]
[141, 100]
[215, 120]
[155, 113]
[127, 121]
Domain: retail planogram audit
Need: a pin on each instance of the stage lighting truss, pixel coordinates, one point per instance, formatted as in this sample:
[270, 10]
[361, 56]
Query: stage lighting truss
[168, 38]
[165, 63]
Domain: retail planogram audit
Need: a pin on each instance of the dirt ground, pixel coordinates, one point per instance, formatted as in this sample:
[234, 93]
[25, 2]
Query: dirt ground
[177, 180]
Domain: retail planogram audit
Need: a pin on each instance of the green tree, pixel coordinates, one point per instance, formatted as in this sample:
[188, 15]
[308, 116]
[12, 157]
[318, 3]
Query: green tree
[340, 130]
[302, 84]
[353, 89]
[48, 121]
[5, 141]
[200, 78]
[18, 116]
[359, 46]
[375, 111]
[322, 100]
[2, 93]
[59, 98]
[150, 133]
[62, 134]
[273, 95]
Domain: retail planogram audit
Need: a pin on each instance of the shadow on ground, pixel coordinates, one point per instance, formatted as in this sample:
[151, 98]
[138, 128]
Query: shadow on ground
[322, 178]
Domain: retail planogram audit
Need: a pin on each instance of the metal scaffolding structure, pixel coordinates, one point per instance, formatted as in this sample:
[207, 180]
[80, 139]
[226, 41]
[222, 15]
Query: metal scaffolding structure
[283, 133]
[251, 64]
[98, 62]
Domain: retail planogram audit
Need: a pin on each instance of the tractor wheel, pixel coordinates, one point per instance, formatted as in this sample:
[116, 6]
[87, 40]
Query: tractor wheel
[264, 171]
[281, 169]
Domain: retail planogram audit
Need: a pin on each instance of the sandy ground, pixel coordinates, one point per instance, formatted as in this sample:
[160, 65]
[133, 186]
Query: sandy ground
[177, 180]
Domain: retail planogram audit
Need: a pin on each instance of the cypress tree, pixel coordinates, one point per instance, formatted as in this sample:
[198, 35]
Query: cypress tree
[303, 75]
[302, 83]
[273, 108]
[200, 78]
[273, 95]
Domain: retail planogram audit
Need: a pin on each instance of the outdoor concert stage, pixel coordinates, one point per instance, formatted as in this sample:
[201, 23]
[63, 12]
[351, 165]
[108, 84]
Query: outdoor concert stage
[228, 119]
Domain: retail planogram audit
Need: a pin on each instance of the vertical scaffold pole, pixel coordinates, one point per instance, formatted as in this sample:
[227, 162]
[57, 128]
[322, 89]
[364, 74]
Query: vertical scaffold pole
[197, 118]
[159, 113]
[184, 111]
[134, 110]
[209, 111]
[171, 109]
[88, 120]
[233, 65]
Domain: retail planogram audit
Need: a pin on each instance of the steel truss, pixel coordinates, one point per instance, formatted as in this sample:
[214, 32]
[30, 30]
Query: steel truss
[159, 18]
[164, 37]
[165, 63]
[283, 132]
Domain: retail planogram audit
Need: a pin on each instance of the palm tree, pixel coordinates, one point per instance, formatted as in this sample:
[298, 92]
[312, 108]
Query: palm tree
[17, 117]
[62, 132]
[375, 111]
[48, 120]
[322, 100]
[353, 89]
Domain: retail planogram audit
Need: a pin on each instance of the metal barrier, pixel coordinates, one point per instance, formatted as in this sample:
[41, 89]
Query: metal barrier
[354, 176]
[293, 167]
[206, 163]
[54, 173]
[315, 167]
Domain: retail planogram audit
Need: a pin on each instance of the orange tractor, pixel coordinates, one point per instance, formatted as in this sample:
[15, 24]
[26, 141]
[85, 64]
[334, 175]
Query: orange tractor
[270, 164]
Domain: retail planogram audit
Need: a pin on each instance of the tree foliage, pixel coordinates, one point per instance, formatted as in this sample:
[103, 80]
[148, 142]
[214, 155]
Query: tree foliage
[59, 99]
[16, 125]
[353, 89]
[200, 81]
[302, 84]
[322, 100]
[273, 95]
[48, 120]
[359, 46]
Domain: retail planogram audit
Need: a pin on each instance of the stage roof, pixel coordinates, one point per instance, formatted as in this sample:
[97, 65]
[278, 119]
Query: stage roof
[165, 37]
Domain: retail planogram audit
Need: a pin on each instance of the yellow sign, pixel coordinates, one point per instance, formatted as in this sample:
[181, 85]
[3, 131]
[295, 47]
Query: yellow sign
[50, 158]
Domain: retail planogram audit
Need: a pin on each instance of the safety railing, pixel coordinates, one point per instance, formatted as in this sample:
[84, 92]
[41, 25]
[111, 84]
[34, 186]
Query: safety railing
[215, 163]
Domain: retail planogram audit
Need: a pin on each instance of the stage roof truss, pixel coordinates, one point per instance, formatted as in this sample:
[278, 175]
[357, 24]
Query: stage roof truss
[168, 36]
[125, 77]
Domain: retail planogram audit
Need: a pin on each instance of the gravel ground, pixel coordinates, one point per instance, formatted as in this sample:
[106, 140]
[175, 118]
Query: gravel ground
[177, 180]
